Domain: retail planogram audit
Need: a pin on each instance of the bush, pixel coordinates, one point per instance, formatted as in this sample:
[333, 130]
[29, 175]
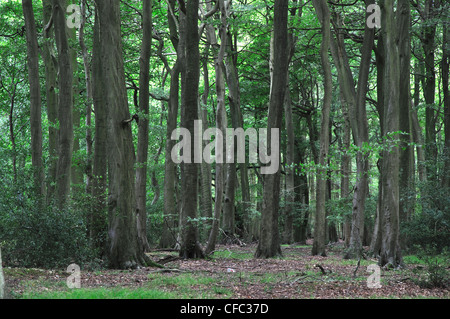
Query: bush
[431, 224]
[46, 238]
[436, 275]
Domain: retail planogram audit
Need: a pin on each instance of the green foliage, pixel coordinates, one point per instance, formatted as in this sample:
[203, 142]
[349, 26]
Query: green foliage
[436, 274]
[46, 237]
[431, 224]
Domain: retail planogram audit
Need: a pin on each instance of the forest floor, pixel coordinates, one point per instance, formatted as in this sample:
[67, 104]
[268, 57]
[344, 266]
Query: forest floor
[232, 272]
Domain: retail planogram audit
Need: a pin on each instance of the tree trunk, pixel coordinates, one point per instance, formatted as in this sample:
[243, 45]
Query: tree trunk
[406, 151]
[2, 278]
[446, 90]
[221, 124]
[390, 253]
[89, 100]
[190, 247]
[319, 227]
[362, 139]
[98, 222]
[429, 87]
[65, 106]
[124, 250]
[234, 99]
[143, 129]
[168, 238]
[35, 99]
[269, 242]
[50, 63]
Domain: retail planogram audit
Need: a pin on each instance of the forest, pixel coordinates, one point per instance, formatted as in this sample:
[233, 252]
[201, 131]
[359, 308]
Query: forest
[288, 144]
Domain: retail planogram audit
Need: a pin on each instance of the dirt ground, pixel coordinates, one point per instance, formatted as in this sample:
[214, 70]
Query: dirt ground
[232, 272]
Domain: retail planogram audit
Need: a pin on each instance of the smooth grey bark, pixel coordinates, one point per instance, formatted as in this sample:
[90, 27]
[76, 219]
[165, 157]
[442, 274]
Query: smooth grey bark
[390, 252]
[65, 105]
[206, 176]
[320, 213]
[35, 99]
[190, 247]
[232, 79]
[362, 139]
[143, 126]
[221, 124]
[168, 238]
[269, 241]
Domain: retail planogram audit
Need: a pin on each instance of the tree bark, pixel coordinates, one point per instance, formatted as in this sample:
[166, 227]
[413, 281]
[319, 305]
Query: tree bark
[190, 247]
[390, 253]
[89, 100]
[319, 226]
[406, 151]
[269, 242]
[98, 221]
[143, 126]
[65, 106]
[446, 91]
[35, 99]
[168, 238]
[429, 87]
[50, 62]
[123, 250]
[221, 125]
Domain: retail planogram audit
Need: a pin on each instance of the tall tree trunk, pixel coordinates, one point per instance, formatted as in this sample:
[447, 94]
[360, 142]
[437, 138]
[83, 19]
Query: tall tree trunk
[89, 100]
[50, 62]
[389, 213]
[35, 99]
[98, 221]
[445, 87]
[429, 87]
[221, 125]
[65, 106]
[234, 99]
[269, 242]
[190, 247]
[206, 193]
[406, 151]
[346, 164]
[124, 250]
[319, 226]
[143, 130]
[168, 238]
[362, 139]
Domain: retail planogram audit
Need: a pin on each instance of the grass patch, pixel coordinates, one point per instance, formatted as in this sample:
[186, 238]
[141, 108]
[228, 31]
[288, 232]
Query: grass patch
[190, 285]
[102, 293]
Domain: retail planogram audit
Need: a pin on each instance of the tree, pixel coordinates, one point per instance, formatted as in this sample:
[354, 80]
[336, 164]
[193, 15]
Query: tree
[319, 228]
[35, 99]
[97, 222]
[190, 247]
[269, 243]
[50, 62]
[124, 250]
[142, 148]
[390, 253]
[221, 125]
[65, 106]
